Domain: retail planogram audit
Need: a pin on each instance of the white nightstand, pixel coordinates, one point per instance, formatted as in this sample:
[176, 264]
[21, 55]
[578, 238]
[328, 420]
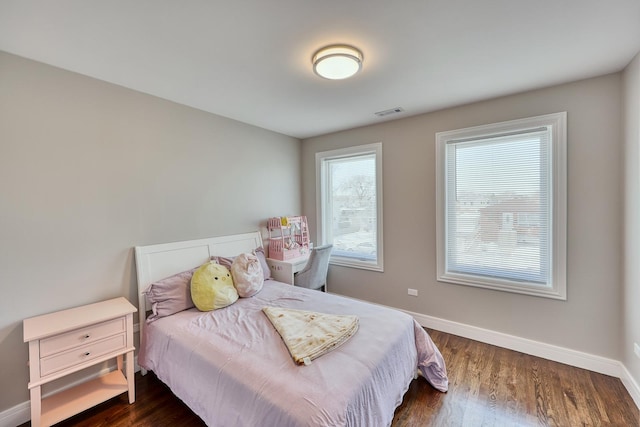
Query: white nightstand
[67, 341]
[283, 271]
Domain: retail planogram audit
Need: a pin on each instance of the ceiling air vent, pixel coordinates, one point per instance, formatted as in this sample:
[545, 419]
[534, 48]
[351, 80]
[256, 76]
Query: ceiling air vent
[389, 112]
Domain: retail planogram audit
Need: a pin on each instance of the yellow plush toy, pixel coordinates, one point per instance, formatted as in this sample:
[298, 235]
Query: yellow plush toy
[212, 287]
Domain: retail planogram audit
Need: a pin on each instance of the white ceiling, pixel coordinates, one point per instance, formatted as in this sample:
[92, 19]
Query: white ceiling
[250, 60]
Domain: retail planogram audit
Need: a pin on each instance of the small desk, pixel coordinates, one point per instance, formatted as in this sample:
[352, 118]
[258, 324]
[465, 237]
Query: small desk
[283, 271]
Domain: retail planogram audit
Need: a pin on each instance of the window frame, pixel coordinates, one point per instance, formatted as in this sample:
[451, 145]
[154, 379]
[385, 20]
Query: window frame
[556, 123]
[323, 223]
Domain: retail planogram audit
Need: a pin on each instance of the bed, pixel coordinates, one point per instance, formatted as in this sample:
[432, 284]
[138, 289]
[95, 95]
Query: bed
[231, 367]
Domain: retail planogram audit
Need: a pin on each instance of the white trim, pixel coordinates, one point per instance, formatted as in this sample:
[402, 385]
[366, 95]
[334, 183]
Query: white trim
[16, 415]
[631, 385]
[591, 362]
[578, 359]
[556, 124]
[321, 195]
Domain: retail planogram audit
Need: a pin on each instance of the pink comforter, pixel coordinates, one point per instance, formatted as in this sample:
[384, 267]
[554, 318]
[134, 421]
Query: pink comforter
[231, 367]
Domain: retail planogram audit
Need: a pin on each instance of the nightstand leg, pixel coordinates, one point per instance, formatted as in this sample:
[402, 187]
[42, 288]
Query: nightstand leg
[36, 406]
[130, 377]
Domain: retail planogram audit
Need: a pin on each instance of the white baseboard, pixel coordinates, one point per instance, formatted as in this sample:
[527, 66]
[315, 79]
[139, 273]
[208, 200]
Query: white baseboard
[567, 356]
[631, 385]
[564, 355]
[15, 416]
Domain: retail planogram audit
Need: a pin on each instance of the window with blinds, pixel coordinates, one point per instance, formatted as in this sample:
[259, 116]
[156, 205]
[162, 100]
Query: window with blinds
[502, 206]
[350, 205]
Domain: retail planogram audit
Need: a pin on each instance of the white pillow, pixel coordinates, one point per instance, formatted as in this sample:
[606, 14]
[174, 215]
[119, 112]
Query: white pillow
[247, 275]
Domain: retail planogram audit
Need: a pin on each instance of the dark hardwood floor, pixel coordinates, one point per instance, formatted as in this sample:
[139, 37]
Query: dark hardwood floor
[488, 386]
[493, 386]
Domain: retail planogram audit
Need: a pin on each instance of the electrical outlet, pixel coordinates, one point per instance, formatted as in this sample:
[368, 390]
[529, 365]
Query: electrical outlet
[412, 292]
[636, 349]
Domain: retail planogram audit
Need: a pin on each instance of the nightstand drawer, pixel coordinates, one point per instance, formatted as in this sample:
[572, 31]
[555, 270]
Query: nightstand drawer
[82, 354]
[81, 336]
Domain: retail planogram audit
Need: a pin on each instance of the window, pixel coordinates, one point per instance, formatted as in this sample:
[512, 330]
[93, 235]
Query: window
[349, 191]
[501, 206]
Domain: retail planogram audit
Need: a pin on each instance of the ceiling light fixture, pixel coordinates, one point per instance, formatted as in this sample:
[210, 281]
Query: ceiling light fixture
[337, 62]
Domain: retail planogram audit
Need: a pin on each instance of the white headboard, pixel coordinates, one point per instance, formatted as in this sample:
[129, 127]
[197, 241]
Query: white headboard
[155, 262]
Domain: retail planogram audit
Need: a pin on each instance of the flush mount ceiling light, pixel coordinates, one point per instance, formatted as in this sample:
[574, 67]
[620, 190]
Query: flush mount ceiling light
[337, 62]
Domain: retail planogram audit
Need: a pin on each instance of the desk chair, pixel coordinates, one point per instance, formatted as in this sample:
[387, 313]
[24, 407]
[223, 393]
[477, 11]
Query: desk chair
[314, 274]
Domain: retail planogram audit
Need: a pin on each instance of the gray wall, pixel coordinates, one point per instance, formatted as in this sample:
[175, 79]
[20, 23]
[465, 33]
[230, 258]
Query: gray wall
[88, 170]
[631, 289]
[589, 321]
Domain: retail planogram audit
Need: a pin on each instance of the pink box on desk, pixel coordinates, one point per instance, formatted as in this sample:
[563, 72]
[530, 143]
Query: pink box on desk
[288, 237]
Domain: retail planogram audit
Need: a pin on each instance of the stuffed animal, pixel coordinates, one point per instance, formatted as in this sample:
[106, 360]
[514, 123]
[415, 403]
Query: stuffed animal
[247, 274]
[212, 287]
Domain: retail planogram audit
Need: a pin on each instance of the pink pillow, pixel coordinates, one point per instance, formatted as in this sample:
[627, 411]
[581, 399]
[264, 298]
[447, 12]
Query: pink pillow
[247, 275]
[170, 295]
[259, 252]
[223, 261]
[266, 271]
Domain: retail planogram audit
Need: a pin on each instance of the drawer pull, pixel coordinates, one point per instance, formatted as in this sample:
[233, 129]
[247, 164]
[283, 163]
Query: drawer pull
[87, 353]
[86, 337]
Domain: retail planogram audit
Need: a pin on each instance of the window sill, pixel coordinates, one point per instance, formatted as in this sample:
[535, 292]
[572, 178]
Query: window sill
[504, 286]
[355, 263]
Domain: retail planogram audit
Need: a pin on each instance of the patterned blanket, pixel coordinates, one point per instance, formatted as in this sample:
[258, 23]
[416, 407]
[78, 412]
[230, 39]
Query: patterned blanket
[307, 334]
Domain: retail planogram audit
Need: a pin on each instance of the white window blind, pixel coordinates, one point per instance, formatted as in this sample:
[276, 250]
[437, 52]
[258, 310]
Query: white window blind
[501, 221]
[350, 205]
[498, 207]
